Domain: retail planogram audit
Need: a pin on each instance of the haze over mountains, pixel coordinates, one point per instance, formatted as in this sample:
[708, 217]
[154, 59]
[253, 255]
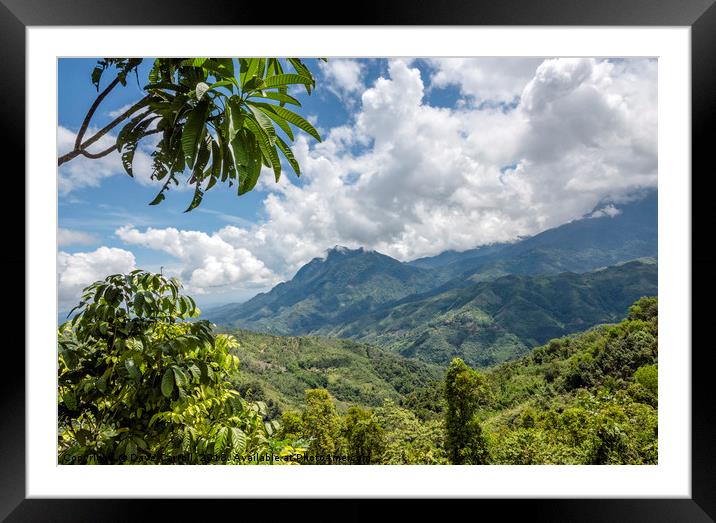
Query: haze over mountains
[486, 305]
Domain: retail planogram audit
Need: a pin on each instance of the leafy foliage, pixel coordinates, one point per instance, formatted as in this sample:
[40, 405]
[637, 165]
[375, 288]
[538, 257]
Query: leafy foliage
[138, 384]
[321, 423]
[219, 119]
[363, 435]
[465, 390]
[408, 440]
[585, 399]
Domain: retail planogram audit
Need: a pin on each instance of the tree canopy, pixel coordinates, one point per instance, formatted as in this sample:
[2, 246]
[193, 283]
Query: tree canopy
[218, 120]
[139, 384]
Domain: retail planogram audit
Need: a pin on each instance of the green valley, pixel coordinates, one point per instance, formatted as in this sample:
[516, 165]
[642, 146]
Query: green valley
[277, 370]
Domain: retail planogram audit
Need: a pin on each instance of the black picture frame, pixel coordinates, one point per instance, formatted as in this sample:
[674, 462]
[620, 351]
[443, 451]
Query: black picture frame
[700, 15]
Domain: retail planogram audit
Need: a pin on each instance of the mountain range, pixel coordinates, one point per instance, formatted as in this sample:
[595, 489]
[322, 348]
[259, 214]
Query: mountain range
[486, 305]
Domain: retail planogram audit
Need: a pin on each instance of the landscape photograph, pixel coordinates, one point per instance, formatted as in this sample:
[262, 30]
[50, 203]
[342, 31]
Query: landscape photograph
[357, 261]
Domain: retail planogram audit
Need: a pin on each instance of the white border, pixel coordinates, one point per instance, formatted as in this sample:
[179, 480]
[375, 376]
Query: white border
[671, 478]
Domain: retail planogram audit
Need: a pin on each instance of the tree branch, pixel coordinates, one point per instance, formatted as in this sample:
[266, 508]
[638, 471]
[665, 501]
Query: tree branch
[94, 156]
[111, 125]
[100, 154]
[92, 109]
[81, 148]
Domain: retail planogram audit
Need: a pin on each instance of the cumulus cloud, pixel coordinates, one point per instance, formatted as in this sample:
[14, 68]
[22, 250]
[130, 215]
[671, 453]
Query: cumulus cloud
[343, 77]
[78, 270]
[73, 237]
[428, 179]
[84, 172]
[207, 261]
[496, 79]
[411, 180]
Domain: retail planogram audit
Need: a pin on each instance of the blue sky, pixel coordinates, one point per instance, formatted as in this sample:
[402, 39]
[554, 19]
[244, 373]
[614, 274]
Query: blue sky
[418, 156]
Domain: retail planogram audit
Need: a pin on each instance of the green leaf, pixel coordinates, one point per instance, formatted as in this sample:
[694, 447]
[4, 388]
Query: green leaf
[235, 118]
[239, 438]
[102, 383]
[221, 440]
[168, 383]
[196, 199]
[288, 153]
[296, 120]
[284, 98]
[265, 122]
[303, 71]
[158, 198]
[180, 378]
[281, 80]
[267, 109]
[249, 70]
[70, 401]
[132, 141]
[240, 151]
[97, 75]
[193, 131]
[132, 369]
[267, 148]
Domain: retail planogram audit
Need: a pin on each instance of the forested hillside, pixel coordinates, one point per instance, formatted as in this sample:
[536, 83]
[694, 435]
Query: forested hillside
[491, 322]
[277, 370]
[589, 398]
[330, 290]
[484, 323]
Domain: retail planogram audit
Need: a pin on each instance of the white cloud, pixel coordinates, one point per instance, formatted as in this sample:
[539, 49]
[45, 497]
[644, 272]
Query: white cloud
[82, 172]
[121, 110]
[73, 237]
[608, 210]
[207, 261]
[413, 180]
[498, 79]
[343, 77]
[77, 271]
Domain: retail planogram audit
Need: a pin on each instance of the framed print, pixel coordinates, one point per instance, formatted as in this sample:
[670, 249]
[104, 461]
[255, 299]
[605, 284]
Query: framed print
[421, 261]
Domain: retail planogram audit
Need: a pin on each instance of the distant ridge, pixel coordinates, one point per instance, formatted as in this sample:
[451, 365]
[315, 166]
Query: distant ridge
[447, 305]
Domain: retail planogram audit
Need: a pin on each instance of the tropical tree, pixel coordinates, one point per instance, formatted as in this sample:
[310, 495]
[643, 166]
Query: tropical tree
[219, 119]
[465, 391]
[407, 440]
[139, 382]
[363, 435]
[321, 424]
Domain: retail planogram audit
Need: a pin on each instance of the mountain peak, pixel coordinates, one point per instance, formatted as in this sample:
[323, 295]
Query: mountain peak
[342, 249]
